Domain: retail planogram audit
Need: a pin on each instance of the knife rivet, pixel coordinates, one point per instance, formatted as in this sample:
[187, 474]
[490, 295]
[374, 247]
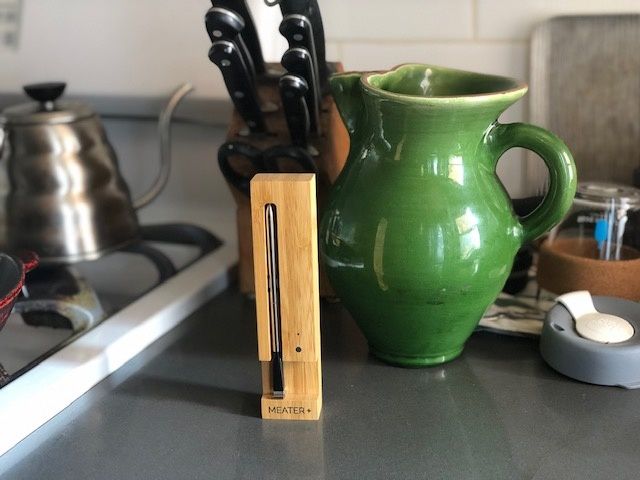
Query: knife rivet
[225, 63]
[298, 349]
[297, 37]
[217, 33]
[238, 94]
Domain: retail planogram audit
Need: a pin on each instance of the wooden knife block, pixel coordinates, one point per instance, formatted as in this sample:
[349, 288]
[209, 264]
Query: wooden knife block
[333, 146]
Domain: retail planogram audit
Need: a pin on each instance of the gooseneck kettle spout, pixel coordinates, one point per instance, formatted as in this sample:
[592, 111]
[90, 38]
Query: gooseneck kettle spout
[164, 130]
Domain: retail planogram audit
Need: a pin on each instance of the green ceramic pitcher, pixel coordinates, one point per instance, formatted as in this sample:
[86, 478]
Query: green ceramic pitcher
[419, 235]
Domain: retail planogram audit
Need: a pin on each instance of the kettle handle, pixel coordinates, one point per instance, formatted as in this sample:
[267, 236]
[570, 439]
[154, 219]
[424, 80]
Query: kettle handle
[164, 130]
[557, 158]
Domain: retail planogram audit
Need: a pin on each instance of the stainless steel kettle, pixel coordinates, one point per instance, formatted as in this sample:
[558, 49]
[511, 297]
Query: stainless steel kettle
[66, 198]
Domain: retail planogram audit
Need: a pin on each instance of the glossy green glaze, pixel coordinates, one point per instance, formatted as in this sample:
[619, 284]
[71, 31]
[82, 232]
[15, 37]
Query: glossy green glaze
[419, 235]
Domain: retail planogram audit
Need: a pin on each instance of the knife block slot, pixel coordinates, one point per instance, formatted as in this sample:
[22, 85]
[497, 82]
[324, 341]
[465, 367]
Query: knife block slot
[332, 145]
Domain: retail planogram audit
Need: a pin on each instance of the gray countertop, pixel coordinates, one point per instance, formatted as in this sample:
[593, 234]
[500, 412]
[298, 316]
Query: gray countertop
[188, 407]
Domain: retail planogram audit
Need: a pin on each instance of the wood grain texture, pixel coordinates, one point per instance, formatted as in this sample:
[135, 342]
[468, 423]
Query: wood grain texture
[333, 146]
[585, 87]
[294, 196]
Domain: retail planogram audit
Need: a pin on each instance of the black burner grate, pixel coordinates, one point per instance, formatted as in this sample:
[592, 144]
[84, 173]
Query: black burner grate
[61, 297]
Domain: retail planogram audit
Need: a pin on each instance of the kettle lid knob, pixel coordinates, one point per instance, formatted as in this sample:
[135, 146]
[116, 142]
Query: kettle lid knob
[47, 109]
[45, 92]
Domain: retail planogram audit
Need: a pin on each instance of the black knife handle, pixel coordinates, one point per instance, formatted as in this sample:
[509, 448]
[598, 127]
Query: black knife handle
[299, 33]
[225, 24]
[249, 33]
[311, 10]
[241, 89]
[292, 92]
[298, 61]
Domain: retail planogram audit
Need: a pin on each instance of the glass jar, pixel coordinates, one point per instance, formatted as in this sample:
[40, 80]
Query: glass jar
[603, 223]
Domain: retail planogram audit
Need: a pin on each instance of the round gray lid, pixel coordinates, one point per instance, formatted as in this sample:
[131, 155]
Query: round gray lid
[46, 109]
[616, 364]
[604, 193]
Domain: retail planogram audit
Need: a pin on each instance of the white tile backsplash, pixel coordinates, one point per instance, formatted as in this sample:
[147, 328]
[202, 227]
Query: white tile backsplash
[515, 19]
[144, 47]
[333, 51]
[147, 47]
[509, 59]
[404, 19]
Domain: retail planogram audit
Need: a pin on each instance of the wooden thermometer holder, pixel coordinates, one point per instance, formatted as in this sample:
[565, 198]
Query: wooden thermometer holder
[332, 146]
[294, 198]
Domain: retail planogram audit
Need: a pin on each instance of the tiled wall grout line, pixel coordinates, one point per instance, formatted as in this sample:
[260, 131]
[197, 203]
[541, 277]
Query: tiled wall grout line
[340, 48]
[474, 19]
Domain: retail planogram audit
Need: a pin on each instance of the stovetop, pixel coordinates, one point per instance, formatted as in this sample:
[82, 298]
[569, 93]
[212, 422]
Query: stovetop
[59, 303]
[52, 367]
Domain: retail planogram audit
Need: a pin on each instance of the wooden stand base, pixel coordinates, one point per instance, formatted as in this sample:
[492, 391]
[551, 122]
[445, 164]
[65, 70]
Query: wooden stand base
[294, 406]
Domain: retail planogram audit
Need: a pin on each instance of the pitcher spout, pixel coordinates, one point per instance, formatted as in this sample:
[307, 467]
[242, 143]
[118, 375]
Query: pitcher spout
[422, 90]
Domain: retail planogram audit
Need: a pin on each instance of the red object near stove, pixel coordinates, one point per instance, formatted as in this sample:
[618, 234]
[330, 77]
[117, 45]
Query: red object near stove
[12, 273]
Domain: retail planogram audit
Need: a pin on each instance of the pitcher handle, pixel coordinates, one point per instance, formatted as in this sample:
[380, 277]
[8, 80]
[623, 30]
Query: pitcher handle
[557, 158]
